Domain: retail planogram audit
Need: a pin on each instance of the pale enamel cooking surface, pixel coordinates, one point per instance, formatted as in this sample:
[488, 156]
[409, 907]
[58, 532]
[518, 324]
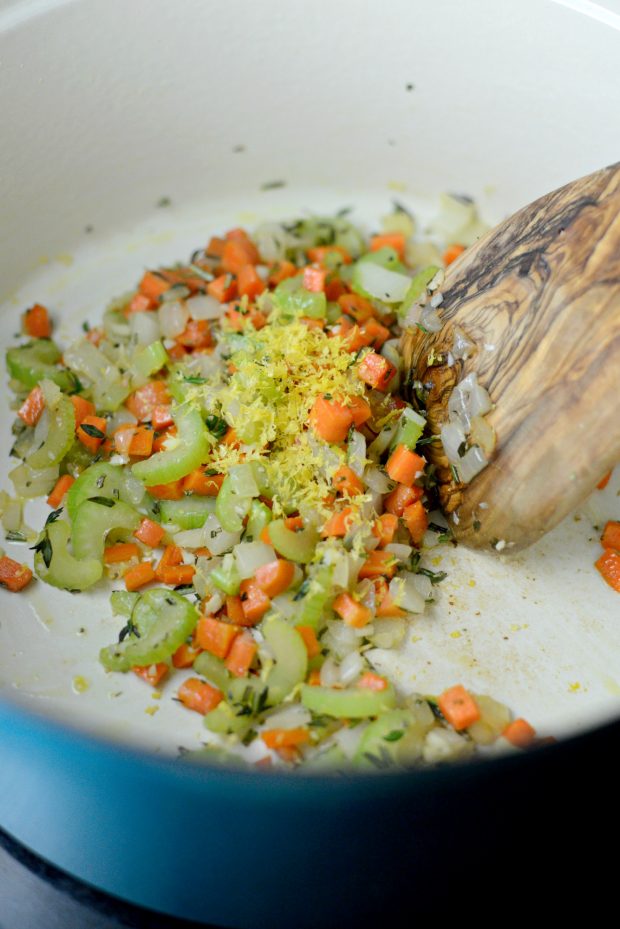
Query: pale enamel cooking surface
[114, 132]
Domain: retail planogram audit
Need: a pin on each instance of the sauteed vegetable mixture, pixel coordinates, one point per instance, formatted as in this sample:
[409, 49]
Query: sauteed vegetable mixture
[232, 452]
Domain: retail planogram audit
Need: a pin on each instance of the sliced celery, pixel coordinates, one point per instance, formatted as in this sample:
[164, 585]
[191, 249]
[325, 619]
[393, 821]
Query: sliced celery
[148, 360]
[56, 566]
[292, 298]
[94, 519]
[296, 546]
[410, 428]
[191, 450]
[290, 656]
[313, 597]
[226, 575]
[354, 703]
[175, 621]
[101, 480]
[230, 508]
[419, 283]
[59, 438]
[225, 720]
[188, 512]
[123, 602]
[30, 363]
[395, 737]
[109, 387]
[379, 276]
[260, 516]
[213, 669]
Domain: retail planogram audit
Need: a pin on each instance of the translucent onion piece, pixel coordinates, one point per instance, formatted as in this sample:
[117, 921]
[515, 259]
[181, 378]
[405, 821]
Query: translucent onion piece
[330, 673]
[351, 668]
[377, 480]
[144, 328]
[405, 593]
[482, 433]
[250, 556]
[203, 307]
[430, 319]
[215, 537]
[400, 552]
[291, 716]
[356, 453]
[473, 462]
[452, 437]
[424, 585]
[173, 319]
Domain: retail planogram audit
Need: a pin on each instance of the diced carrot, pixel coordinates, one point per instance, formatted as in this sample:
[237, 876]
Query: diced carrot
[371, 681]
[223, 288]
[177, 352]
[215, 636]
[459, 707]
[178, 576]
[611, 535]
[402, 497]
[360, 410]
[452, 253]
[199, 696]
[314, 278]
[352, 336]
[249, 282]
[13, 575]
[238, 253]
[357, 307]
[351, 611]
[95, 336]
[122, 551]
[374, 333]
[608, 566]
[149, 532]
[254, 602]
[171, 557]
[404, 466]
[376, 371]
[395, 240]
[314, 678]
[385, 605]
[275, 577]
[338, 524]
[141, 443]
[319, 253]
[239, 317]
[378, 564]
[61, 487]
[241, 654]
[345, 481]
[416, 520]
[170, 491]
[215, 247]
[82, 408]
[231, 439]
[161, 417]
[32, 407]
[313, 646]
[604, 481]
[312, 323]
[139, 575]
[159, 442]
[143, 401]
[197, 334]
[294, 523]
[205, 485]
[234, 610]
[264, 535]
[153, 285]
[91, 432]
[384, 528]
[37, 322]
[330, 420]
[185, 655]
[139, 303]
[280, 271]
[520, 733]
[152, 673]
[285, 738]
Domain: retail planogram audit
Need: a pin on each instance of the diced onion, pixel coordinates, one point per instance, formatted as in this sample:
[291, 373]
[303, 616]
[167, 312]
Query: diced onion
[377, 480]
[351, 668]
[41, 429]
[204, 307]
[405, 593]
[400, 552]
[340, 638]
[430, 319]
[452, 437]
[388, 632]
[286, 605]
[292, 716]
[189, 538]
[173, 319]
[250, 556]
[424, 585]
[461, 345]
[356, 453]
[472, 463]
[381, 283]
[215, 537]
[330, 673]
[383, 439]
[144, 328]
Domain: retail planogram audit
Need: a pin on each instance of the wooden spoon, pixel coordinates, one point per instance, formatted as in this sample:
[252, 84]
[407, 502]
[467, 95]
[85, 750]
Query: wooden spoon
[539, 297]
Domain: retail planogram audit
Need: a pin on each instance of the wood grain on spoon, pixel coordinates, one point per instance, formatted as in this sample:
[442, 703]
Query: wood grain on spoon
[539, 296]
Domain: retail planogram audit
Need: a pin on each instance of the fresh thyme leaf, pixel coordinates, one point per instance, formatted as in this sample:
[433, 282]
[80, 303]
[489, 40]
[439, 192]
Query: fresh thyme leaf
[435, 577]
[44, 547]
[428, 440]
[53, 516]
[201, 273]
[249, 737]
[394, 735]
[102, 501]
[216, 425]
[129, 628]
[272, 185]
[12, 535]
[194, 379]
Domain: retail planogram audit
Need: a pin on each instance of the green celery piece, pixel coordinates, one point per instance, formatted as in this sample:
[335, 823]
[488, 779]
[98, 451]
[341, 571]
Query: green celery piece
[353, 703]
[230, 508]
[149, 360]
[109, 385]
[226, 576]
[59, 438]
[330, 759]
[396, 737]
[419, 283]
[248, 696]
[260, 516]
[123, 602]
[175, 620]
[290, 655]
[187, 513]
[192, 450]
[386, 257]
[317, 596]
[225, 721]
[93, 520]
[410, 428]
[100, 480]
[56, 566]
[36, 360]
[292, 297]
[296, 546]
[214, 669]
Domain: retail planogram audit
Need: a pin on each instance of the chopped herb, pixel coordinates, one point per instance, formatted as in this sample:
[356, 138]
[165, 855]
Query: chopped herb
[102, 501]
[129, 628]
[53, 516]
[194, 379]
[435, 577]
[476, 525]
[455, 474]
[202, 274]
[399, 208]
[215, 532]
[44, 547]
[272, 185]
[428, 439]
[163, 202]
[344, 212]
[394, 735]
[382, 760]
[92, 431]
[462, 448]
[216, 425]
[13, 536]
[249, 737]
[303, 590]
[435, 708]
[86, 326]
[320, 721]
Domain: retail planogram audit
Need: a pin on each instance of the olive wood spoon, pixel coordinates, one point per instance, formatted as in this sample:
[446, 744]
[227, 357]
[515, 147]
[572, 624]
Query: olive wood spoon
[539, 298]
